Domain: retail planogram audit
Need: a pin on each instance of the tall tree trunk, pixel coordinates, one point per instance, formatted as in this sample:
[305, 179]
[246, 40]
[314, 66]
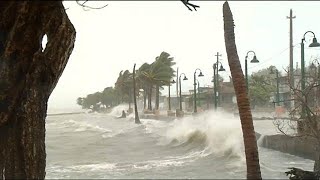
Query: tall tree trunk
[144, 99]
[150, 98]
[250, 143]
[148, 94]
[157, 97]
[136, 115]
[28, 76]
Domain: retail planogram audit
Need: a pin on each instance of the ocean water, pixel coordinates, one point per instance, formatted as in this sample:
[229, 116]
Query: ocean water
[207, 146]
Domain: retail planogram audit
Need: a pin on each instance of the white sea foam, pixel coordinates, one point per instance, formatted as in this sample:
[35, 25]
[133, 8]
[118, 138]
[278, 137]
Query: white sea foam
[94, 167]
[171, 160]
[83, 168]
[113, 134]
[117, 110]
[81, 126]
[154, 126]
[220, 131]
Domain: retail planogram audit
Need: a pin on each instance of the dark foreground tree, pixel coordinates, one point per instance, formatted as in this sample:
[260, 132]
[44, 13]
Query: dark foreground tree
[28, 75]
[250, 143]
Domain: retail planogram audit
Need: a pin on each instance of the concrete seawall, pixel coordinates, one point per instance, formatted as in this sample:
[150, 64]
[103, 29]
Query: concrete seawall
[298, 146]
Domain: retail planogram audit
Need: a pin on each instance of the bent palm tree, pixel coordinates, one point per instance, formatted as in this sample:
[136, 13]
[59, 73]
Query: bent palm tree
[157, 74]
[136, 115]
[166, 63]
[123, 85]
[145, 83]
[250, 143]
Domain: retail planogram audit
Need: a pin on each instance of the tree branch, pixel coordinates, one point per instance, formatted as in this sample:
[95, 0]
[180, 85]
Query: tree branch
[89, 7]
[187, 4]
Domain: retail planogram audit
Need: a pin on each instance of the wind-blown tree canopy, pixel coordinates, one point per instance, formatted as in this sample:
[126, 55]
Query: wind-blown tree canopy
[144, 83]
[166, 61]
[124, 85]
[92, 101]
[109, 97]
[80, 101]
[157, 74]
[143, 74]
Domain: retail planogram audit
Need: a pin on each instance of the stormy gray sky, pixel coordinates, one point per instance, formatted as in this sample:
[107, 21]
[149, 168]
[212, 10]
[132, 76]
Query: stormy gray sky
[127, 32]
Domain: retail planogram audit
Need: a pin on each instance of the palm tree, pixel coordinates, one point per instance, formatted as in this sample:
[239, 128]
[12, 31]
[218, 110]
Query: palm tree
[156, 75]
[166, 62]
[136, 115]
[145, 83]
[250, 143]
[123, 85]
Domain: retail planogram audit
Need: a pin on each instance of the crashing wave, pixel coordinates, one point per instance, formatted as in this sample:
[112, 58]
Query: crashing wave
[218, 131]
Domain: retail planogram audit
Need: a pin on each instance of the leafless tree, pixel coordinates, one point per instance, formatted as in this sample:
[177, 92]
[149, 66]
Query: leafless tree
[304, 117]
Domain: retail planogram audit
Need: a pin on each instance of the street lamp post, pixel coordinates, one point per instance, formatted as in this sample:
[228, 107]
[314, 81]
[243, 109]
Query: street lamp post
[180, 98]
[169, 100]
[303, 76]
[254, 60]
[278, 93]
[194, 88]
[216, 81]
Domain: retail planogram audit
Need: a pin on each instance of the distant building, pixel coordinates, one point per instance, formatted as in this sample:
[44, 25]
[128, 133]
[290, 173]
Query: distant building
[205, 100]
[227, 95]
[175, 101]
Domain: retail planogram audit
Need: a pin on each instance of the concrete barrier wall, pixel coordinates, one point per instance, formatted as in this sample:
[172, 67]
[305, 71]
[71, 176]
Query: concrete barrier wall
[298, 146]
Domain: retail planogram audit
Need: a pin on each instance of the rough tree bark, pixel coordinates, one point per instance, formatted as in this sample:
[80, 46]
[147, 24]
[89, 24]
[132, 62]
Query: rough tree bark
[250, 143]
[28, 75]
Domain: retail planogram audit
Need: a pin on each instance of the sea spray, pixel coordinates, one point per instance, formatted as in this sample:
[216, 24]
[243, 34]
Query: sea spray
[260, 140]
[117, 110]
[220, 130]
